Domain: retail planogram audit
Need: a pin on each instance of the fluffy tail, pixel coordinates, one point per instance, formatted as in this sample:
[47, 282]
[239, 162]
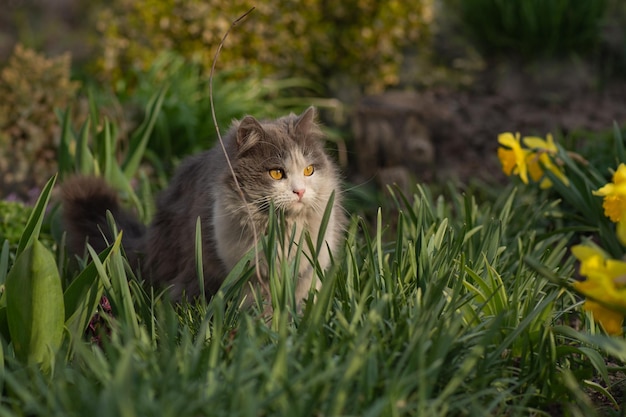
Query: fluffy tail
[85, 203]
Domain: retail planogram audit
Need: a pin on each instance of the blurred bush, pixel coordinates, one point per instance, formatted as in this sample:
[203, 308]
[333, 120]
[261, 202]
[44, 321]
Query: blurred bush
[532, 28]
[357, 40]
[13, 219]
[31, 87]
[185, 124]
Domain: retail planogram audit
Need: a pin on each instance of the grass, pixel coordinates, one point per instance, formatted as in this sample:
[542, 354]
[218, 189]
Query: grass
[447, 317]
[440, 303]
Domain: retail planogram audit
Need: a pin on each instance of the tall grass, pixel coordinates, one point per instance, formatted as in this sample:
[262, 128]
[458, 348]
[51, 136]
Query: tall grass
[446, 318]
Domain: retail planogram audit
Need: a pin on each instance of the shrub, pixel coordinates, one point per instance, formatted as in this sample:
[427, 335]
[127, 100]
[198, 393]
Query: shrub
[185, 124]
[533, 28]
[13, 217]
[32, 87]
[362, 39]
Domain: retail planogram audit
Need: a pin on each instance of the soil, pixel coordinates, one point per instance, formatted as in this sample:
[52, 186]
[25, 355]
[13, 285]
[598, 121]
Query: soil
[550, 97]
[557, 99]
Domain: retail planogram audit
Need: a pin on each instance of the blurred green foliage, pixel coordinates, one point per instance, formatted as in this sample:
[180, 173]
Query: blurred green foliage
[185, 125]
[31, 87]
[38, 314]
[13, 218]
[361, 39]
[532, 28]
[97, 149]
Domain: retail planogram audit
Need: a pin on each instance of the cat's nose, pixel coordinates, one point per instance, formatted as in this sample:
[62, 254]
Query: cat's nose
[299, 192]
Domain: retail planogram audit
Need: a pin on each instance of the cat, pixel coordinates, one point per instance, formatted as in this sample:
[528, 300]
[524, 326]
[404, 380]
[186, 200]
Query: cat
[277, 163]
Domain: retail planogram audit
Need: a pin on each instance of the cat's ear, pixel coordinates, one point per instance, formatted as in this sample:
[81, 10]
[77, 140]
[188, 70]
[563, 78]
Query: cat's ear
[249, 132]
[305, 122]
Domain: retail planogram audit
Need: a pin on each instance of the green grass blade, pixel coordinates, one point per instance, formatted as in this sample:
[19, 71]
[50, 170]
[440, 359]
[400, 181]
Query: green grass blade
[33, 226]
[84, 157]
[82, 297]
[65, 158]
[379, 241]
[602, 391]
[107, 158]
[324, 223]
[94, 115]
[619, 144]
[4, 262]
[199, 263]
[121, 295]
[4, 324]
[610, 345]
[139, 140]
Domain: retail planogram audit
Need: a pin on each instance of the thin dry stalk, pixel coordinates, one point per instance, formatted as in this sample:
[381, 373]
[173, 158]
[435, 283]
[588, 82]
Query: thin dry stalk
[219, 136]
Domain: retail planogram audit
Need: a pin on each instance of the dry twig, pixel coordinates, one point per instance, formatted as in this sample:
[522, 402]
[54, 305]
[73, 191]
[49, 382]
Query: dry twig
[219, 136]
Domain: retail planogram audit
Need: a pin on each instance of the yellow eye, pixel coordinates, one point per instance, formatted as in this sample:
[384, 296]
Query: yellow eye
[308, 171]
[277, 173]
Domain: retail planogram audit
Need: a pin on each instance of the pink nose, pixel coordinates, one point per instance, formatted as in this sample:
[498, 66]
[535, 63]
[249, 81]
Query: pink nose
[300, 193]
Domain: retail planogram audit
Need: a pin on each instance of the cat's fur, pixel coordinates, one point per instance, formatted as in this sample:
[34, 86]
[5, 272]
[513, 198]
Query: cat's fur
[204, 187]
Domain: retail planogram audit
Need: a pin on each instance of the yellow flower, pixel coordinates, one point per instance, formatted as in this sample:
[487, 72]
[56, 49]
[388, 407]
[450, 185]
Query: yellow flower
[529, 162]
[540, 159]
[512, 156]
[610, 320]
[605, 287]
[614, 194]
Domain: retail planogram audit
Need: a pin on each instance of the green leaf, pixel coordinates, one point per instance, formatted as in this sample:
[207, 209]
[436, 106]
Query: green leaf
[4, 262]
[33, 226]
[117, 179]
[116, 283]
[4, 324]
[139, 139]
[82, 296]
[619, 144]
[94, 115]
[107, 159]
[35, 309]
[199, 265]
[66, 159]
[84, 157]
[597, 361]
[4, 270]
[603, 391]
[324, 223]
[238, 277]
[610, 345]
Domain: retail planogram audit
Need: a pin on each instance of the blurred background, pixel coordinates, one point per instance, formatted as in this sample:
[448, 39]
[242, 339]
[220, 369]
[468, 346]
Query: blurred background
[407, 90]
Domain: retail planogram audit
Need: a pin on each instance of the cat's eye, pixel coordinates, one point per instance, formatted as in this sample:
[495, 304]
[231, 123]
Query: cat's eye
[308, 171]
[277, 173]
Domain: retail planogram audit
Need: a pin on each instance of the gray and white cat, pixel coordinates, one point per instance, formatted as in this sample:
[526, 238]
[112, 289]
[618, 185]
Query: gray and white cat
[280, 162]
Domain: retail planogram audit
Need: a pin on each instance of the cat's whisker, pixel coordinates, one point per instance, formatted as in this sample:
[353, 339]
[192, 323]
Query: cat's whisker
[270, 144]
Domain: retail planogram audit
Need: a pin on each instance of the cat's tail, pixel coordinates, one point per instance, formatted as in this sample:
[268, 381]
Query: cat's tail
[86, 201]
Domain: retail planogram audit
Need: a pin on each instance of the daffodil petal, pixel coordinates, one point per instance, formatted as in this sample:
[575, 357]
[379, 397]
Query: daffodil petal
[610, 320]
[538, 144]
[620, 174]
[507, 139]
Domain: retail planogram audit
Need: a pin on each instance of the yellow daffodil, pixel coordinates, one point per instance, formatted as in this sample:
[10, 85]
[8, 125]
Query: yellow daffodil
[610, 320]
[540, 158]
[512, 156]
[531, 161]
[605, 286]
[615, 196]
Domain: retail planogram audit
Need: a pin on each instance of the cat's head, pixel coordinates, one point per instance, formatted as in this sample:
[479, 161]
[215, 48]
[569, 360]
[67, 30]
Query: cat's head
[283, 161]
